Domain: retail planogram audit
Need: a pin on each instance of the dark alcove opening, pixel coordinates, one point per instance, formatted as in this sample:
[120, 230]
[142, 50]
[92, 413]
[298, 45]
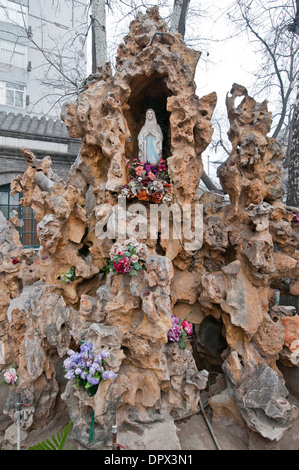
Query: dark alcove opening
[147, 92]
[210, 344]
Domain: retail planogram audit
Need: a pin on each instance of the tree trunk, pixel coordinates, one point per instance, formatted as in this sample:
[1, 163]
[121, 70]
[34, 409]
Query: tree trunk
[179, 14]
[209, 183]
[293, 170]
[99, 37]
[293, 173]
[178, 23]
[293, 167]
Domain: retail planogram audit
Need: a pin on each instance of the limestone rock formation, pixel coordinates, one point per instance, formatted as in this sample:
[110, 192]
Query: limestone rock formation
[225, 285]
[59, 211]
[11, 255]
[256, 251]
[75, 302]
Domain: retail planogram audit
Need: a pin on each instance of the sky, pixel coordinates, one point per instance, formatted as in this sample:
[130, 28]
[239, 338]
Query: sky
[229, 60]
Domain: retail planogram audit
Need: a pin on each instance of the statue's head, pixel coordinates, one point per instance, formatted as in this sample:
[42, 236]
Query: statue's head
[150, 115]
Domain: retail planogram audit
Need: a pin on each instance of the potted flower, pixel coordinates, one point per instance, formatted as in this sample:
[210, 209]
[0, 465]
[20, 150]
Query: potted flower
[127, 257]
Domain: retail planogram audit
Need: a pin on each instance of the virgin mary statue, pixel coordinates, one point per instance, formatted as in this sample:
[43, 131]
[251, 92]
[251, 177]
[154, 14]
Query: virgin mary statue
[150, 139]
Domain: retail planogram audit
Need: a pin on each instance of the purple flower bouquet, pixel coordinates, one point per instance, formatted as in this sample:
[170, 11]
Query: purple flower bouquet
[295, 221]
[179, 331]
[86, 368]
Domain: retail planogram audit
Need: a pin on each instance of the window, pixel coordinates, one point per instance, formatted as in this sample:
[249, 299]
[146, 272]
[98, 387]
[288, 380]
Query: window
[12, 12]
[15, 95]
[12, 94]
[13, 53]
[9, 203]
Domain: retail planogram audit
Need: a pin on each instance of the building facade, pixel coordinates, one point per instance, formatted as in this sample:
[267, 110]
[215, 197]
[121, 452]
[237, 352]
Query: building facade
[42, 63]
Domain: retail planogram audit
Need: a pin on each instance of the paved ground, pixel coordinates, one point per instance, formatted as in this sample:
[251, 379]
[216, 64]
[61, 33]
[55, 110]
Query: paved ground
[195, 435]
[190, 434]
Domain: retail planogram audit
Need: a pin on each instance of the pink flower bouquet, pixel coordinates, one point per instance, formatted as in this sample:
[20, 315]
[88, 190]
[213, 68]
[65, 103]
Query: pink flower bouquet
[128, 257]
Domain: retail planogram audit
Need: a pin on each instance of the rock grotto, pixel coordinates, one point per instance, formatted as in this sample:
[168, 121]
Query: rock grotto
[225, 287]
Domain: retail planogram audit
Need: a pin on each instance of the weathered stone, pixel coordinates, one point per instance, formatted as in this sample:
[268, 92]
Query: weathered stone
[227, 286]
[262, 403]
[184, 287]
[11, 434]
[289, 327]
[268, 339]
[259, 214]
[294, 288]
[192, 313]
[225, 409]
[236, 296]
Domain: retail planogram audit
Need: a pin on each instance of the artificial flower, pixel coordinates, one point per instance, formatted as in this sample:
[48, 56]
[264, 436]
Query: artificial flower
[157, 197]
[151, 175]
[187, 327]
[179, 331]
[167, 187]
[86, 368]
[68, 276]
[141, 251]
[132, 242]
[139, 170]
[295, 220]
[147, 179]
[143, 195]
[128, 257]
[134, 258]
[167, 198]
[10, 376]
[115, 249]
[127, 192]
[157, 185]
[123, 265]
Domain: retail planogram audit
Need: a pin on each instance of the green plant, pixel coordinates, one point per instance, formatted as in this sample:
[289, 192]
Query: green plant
[68, 276]
[57, 443]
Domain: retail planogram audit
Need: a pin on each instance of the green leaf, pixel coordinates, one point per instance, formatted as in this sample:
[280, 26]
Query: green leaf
[133, 272]
[57, 444]
[51, 446]
[108, 268]
[64, 434]
[55, 441]
[182, 343]
[136, 266]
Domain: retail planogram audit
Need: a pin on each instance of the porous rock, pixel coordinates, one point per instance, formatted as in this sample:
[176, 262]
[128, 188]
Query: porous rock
[247, 253]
